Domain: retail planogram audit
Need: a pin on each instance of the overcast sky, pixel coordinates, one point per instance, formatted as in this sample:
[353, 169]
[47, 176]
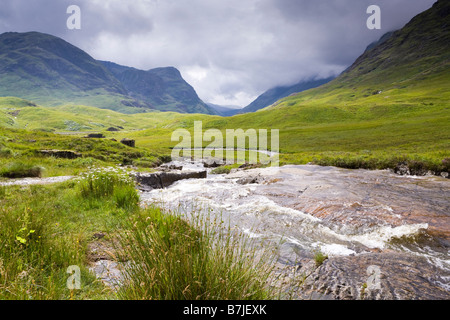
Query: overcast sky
[230, 51]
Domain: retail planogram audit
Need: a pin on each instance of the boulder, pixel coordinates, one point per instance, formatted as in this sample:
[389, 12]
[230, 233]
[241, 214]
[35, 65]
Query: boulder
[167, 167]
[95, 135]
[402, 169]
[160, 180]
[212, 163]
[65, 154]
[128, 142]
[250, 180]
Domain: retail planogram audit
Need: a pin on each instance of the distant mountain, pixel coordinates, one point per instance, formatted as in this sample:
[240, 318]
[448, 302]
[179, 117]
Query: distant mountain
[50, 71]
[225, 111]
[272, 95]
[161, 88]
[383, 39]
[408, 56]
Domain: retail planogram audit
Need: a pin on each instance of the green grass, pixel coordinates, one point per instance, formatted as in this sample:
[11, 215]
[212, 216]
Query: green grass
[43, 231]
[319, 258]
[23, 146]
[197, 260]
[20, 170]
[46, 229]
[99, 183]
[319, 127]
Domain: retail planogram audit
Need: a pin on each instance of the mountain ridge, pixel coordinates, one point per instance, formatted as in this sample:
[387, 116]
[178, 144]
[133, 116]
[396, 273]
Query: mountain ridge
[50, 71]
[274, 94]
[412, 56]
[161, 88]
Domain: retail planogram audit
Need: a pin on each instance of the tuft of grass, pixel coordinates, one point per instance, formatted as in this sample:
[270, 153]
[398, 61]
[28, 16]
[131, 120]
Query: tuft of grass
[20, 170]
[319, 257]
[103, 182]
[221, 170]
[126, 197]
[174, 259]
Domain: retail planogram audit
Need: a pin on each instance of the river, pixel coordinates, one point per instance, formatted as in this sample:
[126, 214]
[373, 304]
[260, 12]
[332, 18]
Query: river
[341, 212]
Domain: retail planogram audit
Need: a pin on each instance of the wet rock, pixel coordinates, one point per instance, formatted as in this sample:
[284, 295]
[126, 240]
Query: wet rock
[247, 180]
[212, 164]
[65, 154]
[377, 276]
[251, 179]
[402, 169]
[247, 166]
[109, 272]
[166, 167]
[160, 180]
[128, 142]
[362, 199]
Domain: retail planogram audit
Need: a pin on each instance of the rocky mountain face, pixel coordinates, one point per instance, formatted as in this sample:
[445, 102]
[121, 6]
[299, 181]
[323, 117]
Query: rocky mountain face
[161, 88]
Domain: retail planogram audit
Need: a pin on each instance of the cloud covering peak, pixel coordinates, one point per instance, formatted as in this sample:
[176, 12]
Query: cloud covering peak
[229, 51]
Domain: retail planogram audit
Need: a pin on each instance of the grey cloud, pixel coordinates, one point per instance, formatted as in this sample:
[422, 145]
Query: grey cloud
[230, 51]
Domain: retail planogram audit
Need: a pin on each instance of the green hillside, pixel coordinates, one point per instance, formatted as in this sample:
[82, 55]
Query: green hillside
[51, 72]
[161, 88]
[273, 95]
[391, 106]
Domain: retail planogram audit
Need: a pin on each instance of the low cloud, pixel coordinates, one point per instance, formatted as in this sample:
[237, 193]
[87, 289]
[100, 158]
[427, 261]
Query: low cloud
[229, 51]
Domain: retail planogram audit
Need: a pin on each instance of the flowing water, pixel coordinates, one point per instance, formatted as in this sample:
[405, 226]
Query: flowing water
[340, 212]
[32, 181]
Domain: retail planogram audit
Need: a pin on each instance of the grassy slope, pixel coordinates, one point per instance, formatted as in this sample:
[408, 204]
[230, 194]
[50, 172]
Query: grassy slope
[22, 147]
[391, 105]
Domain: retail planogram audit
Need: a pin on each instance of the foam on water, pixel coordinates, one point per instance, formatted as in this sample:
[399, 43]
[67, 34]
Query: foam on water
[381, 236]
[259, 216]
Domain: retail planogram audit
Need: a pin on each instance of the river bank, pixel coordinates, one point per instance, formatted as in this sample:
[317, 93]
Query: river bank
[381, 235]
[357, 218]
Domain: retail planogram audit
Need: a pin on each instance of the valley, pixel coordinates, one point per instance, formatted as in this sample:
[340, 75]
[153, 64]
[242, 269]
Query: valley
[362, 182]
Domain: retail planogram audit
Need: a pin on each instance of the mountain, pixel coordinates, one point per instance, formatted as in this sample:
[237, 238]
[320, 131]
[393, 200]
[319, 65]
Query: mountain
[277, 93]
[50, 71]
[412, 56]
[380, 41]
[390, 106]
[225, 111]
[161, 88]
[413, 62]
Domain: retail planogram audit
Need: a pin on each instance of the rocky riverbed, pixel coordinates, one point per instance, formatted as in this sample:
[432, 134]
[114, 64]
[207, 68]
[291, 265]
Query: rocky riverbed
[385, 236]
